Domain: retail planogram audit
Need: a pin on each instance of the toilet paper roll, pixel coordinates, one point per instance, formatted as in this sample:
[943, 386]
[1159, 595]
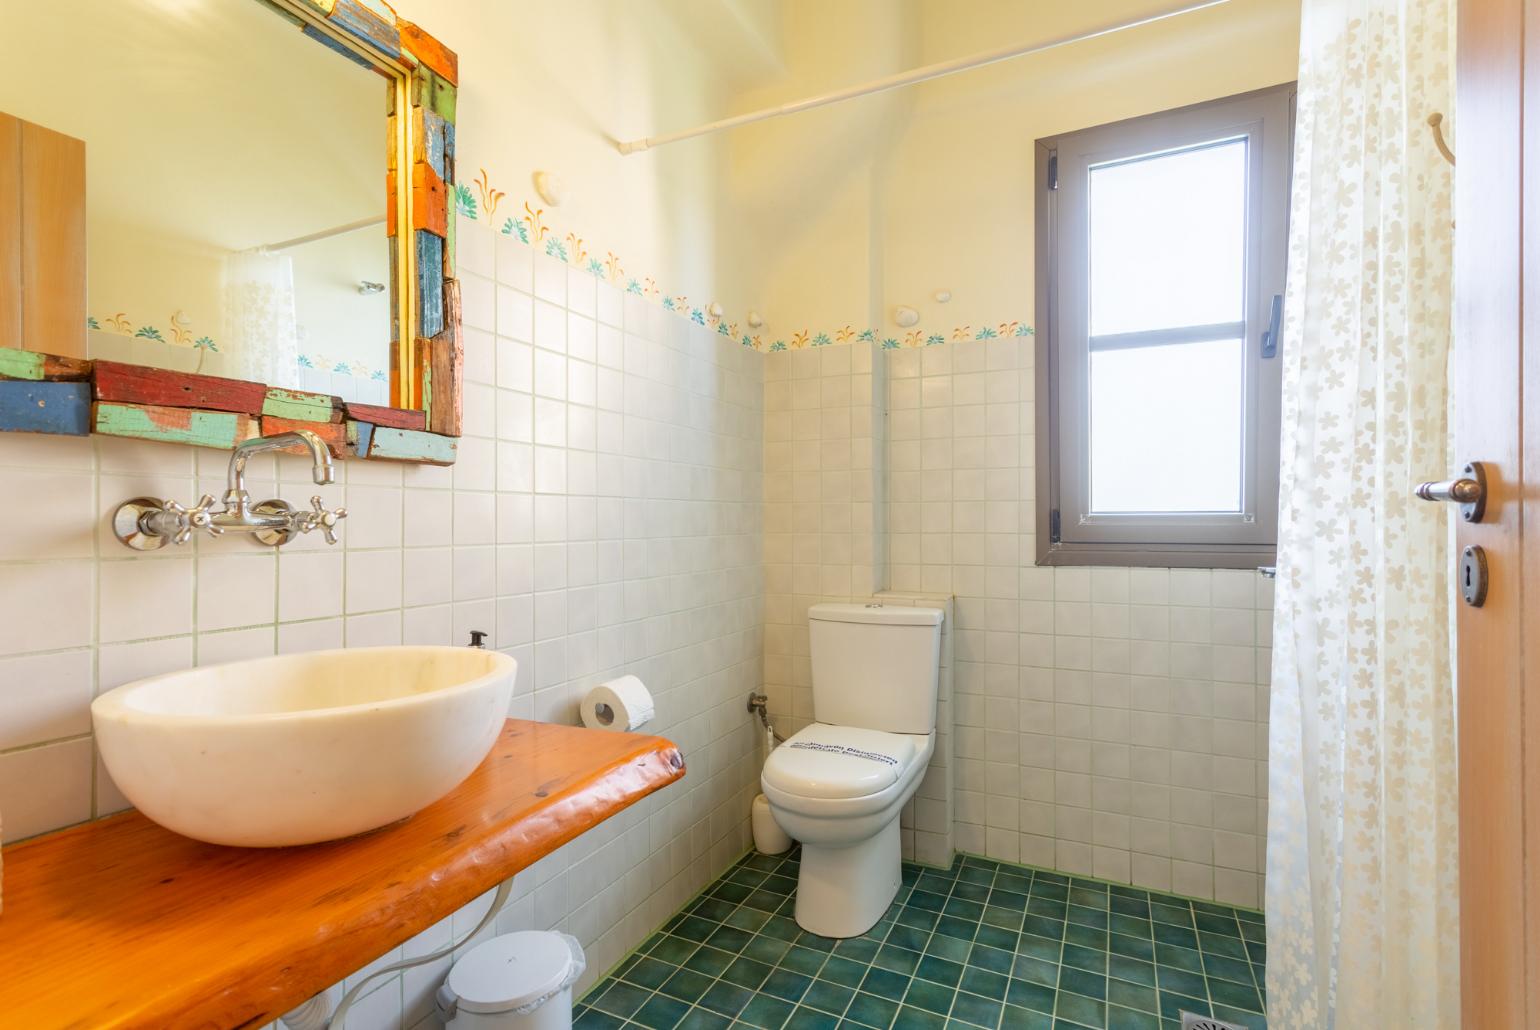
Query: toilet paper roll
[620, 704]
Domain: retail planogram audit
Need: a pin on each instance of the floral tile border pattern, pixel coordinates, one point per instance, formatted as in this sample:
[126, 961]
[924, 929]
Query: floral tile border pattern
[178, 334]
[480, 202]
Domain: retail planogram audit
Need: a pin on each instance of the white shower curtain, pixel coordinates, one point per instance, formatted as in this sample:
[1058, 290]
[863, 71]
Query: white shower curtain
[1362, 916]
[261, 330]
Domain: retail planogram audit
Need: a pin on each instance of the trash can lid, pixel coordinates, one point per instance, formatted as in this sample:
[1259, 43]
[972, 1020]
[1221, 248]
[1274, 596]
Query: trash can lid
[510, 971]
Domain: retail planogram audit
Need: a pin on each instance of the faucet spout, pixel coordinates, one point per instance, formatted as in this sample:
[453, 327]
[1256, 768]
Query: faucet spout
[320, 457]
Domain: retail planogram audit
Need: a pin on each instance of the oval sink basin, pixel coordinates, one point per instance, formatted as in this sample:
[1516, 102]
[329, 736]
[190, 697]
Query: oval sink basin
[303, 748]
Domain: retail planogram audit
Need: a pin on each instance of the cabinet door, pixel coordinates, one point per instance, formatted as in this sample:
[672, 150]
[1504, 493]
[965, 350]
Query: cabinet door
[42, 240]
[10, 231]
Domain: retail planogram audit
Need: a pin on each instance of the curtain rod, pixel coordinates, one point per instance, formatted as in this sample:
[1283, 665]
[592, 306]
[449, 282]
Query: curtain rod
[326, 234]
[909, 78]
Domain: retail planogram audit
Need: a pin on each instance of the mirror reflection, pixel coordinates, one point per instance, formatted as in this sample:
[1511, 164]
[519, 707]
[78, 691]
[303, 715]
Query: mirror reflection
[235, 187]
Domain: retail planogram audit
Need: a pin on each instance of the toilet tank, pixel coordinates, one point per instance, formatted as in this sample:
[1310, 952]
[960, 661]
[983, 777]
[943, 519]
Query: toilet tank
[875, 666]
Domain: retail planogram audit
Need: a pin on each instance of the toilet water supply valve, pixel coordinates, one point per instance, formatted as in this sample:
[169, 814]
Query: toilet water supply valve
[760, 704]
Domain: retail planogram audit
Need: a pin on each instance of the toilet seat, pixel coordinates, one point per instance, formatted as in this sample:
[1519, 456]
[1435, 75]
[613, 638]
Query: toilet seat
[843, 771]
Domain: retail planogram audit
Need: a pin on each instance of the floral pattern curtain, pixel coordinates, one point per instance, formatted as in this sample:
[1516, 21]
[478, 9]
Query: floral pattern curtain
[1362, 903]
[261, 328]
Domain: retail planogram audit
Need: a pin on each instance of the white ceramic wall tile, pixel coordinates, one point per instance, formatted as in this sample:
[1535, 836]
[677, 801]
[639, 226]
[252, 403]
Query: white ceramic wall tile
[43, 788]
[236, 590]
[146, 597]
[648, 563]
[1128, 686]
[44, 697]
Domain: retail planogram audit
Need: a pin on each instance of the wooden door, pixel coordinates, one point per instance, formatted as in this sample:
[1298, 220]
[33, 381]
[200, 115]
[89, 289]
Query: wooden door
[1497, 398]
[42, 239]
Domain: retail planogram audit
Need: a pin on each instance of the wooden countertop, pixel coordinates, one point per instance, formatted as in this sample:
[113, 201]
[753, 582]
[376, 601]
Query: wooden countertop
[120, 923]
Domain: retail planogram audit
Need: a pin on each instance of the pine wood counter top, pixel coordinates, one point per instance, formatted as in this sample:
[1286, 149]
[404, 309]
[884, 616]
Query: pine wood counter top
[120, 923]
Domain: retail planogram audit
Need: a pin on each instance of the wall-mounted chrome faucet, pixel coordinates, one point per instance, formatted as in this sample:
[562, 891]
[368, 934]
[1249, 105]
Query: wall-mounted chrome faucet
[150, 523]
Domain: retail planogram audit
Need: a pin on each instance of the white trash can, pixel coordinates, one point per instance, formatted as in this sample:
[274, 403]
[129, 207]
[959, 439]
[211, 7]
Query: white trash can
[519, 981]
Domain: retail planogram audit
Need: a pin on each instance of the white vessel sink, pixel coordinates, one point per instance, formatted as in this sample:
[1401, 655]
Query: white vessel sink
[303, 748]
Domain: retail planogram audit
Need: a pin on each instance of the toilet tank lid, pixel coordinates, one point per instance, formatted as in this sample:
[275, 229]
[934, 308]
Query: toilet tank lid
[881, 614]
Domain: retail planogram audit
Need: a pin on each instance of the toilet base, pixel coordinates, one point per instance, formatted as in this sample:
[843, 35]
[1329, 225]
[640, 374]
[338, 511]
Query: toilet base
[843, 891]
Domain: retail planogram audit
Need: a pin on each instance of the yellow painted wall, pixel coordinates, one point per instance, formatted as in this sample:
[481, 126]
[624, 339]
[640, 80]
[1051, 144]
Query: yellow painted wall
[547, 85]
[898, 196]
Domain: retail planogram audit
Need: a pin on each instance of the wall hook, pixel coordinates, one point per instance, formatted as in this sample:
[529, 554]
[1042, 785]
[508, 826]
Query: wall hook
[1436, 123]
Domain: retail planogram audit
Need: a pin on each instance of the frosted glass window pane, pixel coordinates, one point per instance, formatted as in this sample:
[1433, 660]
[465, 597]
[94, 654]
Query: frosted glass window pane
[1166, 429]
[1168, 240]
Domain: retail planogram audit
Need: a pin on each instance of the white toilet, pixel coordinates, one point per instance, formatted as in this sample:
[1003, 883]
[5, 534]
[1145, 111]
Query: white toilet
[838, 786]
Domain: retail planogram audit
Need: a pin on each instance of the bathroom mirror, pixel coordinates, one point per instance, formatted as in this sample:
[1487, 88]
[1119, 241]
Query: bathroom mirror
[241, 217]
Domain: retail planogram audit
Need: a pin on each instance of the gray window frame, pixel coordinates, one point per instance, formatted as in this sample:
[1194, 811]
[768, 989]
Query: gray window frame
[1067, 533]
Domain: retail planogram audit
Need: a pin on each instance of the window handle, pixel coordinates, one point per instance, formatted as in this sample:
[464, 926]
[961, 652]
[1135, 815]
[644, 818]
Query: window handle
[1270, 337]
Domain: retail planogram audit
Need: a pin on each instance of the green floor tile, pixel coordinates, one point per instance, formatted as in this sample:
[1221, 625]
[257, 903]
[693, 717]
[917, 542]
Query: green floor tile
[725, 998]
[709, 961]
[899, 959]
[787, 985]
[768, 950]
[1173, 1005]
[917, 1019]
[982, 982]
[953, 949]
[649, 973]
[1236, 996]
[1036, 970]
[978, 946]
[939, 970]
[1119, 1018]
[842, 971]
[1179, 981]
[1081, 1010]
[621, 999]
[1133, 970]
[998, 937]
[803, 960]
[661, 1013]
[858, 949]
[1080, 957]
[976, 1010]
[827, 997]
[1014, 1018]
[932, 997]
[873, 1010]
[1132, 995]
[593, 1019]
[1030, 995]
[746, 972]
[1083, 983]
[765, 1011]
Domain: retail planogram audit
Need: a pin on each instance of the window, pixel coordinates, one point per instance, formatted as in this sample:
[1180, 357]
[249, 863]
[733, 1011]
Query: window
[1160, 263]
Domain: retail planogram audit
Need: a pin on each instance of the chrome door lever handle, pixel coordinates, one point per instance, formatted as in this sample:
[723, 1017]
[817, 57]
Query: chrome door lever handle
[1469, 491]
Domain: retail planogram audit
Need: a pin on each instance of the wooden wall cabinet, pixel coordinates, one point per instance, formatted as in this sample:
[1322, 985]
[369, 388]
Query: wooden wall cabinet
[42, 239]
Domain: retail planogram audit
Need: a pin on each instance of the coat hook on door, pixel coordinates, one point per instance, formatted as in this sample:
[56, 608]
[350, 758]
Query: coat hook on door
[1436, 123]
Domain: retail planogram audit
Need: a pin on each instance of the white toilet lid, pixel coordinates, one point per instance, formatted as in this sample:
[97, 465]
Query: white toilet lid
[831, 762]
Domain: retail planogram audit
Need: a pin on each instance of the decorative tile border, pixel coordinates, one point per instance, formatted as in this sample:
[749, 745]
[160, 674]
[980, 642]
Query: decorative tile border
[481, 202]
[179, 334]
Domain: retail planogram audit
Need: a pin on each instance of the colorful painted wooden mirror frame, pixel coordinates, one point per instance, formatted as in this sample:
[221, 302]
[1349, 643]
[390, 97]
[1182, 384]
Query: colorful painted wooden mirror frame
[47, 393]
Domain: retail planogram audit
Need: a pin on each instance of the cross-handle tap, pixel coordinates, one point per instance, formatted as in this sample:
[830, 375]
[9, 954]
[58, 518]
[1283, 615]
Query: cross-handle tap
[320, 517]
[199, 516]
